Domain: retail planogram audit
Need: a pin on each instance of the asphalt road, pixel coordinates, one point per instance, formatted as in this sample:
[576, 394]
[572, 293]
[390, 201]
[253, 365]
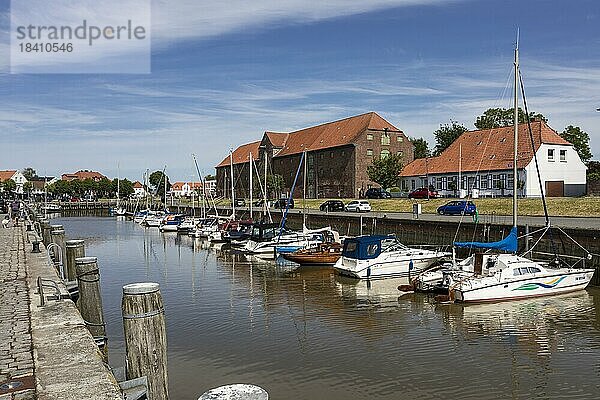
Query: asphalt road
[563, 222]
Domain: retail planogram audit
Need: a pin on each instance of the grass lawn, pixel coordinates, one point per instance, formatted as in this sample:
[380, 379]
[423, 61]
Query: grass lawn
[557, 206]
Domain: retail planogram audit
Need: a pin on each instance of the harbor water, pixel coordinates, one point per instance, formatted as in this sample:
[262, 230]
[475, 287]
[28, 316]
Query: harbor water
[309, 334]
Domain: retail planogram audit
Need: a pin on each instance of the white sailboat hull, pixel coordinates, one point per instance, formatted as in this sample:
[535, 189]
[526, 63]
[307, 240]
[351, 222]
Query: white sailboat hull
[550, 282]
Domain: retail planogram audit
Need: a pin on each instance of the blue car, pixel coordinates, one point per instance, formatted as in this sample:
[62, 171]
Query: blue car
[458, 208]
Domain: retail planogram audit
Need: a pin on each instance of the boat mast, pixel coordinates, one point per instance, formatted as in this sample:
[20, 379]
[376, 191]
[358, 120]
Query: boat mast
[118, 186]
[516, 127]
[232, 188]
[251, 185]
[304, 194]
[459, 171]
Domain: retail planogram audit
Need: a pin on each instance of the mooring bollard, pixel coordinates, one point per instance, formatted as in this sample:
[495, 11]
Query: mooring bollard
[45, 226]
[238, 391]
[58, 238]
[146, 337]
[90, 300]
[75, 249]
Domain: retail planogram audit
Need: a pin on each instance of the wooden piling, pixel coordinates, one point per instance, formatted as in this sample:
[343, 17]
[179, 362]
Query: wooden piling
[45, 232]
[90, 301]
[145, 336]
[75, 249]
[58, 238]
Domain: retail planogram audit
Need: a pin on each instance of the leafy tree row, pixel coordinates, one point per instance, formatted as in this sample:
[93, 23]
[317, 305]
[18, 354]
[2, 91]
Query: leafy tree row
[104, 188]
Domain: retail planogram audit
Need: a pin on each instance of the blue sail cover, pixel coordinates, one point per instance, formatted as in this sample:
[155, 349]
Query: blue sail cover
[508, 244]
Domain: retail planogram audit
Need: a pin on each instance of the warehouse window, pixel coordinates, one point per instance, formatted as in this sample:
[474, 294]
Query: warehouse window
[385, 153]
[369, 152]
[400, 138]
[385, 140]
[369, 136]
[551, 155]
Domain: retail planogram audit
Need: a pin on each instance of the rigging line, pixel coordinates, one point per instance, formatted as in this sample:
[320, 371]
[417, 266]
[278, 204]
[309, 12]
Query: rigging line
[537, 167]
[487, 142]
[573, 240]
[537, 241]
[262, 191]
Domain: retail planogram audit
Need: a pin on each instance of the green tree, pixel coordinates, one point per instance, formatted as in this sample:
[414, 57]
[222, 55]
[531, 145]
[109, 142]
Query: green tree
[125, 188]
[105, 188]
[421, 148]
[498, 117]
[28, 187]
[580, 141]
[593, 171]
[29, 173]
[385, 170]
[9, 186]
[157, 181]
[446, 135]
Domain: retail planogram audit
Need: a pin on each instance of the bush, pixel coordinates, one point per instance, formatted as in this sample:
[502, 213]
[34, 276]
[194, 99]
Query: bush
[394, 189]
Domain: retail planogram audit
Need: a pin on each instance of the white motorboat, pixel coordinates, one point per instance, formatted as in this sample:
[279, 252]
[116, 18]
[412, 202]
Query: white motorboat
[381, 256]
[188, 224]
[171, 222]
[265, 238]
[154, 219]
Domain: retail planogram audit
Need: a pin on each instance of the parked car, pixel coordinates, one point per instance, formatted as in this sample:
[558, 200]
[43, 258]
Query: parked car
[358, 206]
[377, 193]
[421, 193]
[332, 205]
[281, 203]
[458, 207]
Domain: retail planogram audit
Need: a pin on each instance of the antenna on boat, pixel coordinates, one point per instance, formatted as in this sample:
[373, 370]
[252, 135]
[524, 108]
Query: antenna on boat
[516, 126]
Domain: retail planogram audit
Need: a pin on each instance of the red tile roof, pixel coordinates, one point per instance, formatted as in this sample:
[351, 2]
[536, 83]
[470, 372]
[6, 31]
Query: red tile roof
[7, 174]
[277, 139]
[137, 185]
[83, 175]
[333, 134]
[487, 150]
[179, 185]
[242, 154]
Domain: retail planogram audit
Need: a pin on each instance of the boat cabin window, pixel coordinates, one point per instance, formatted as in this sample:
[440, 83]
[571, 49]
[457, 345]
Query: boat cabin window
[516, 272]
[372, 249]
[524, 270]
[533, 270]
[350, 247]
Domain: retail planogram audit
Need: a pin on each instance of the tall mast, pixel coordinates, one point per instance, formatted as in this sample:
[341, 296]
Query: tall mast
[118, 181]
[232, 188]
[459, 170]
[516, 126]
[251, 185]
[266, 199]
[304, 193]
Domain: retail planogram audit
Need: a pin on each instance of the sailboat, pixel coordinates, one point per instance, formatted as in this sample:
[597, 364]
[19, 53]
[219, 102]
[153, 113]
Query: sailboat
[119, 211]
[508, 276]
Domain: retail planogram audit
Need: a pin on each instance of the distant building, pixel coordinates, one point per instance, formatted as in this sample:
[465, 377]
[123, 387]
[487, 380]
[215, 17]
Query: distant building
[179, 189]
[15, 176]
[485, 159]
[338, 154]
[83, 175]
[40, 183]
[139, 190]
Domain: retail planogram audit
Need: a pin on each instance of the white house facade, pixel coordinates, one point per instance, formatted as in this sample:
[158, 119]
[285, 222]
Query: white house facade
[480, 164]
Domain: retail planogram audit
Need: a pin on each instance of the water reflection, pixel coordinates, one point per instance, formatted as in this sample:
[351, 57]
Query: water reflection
[305, 333]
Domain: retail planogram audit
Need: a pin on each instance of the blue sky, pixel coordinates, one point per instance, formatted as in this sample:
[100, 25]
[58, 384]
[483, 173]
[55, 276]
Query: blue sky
[224, 72]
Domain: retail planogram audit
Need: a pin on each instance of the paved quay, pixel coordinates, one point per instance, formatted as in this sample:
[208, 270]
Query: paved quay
[46, 351]
[16, 349]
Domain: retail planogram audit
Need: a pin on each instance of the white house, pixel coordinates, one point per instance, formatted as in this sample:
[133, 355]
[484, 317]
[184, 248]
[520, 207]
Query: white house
[484, 161]
[139, 190]
[179, 189]
[15, 176]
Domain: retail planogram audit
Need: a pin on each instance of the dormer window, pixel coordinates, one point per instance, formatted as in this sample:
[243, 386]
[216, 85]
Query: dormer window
[563, 156]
